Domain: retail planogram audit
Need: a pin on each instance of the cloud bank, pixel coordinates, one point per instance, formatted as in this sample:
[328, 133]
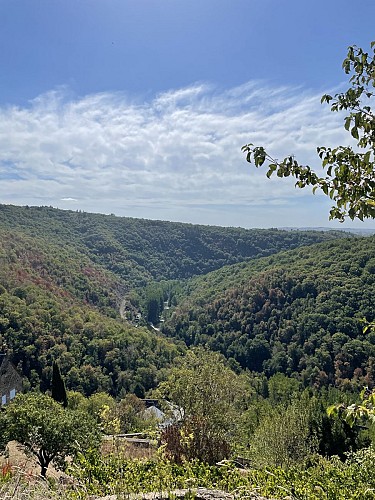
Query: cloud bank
[176, 156]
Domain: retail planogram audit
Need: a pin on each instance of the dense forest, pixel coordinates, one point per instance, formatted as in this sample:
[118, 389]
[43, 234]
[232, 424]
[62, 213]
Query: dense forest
[57, 304]
[300, 313]
[66, 275]
[140, 251]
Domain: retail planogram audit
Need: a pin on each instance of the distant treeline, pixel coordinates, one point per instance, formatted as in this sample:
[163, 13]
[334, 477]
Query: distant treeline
[140, 251]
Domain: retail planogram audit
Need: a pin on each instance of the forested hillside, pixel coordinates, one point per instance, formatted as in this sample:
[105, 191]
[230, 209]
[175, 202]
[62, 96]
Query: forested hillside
[140, 251]
[55, 303]
[299, 313]
[67, 282]
[64, 276]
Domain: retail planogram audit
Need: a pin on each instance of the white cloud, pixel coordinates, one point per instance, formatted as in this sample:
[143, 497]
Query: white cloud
[177, 156]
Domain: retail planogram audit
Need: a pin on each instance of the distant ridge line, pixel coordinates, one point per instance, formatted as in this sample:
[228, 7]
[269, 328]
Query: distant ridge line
[354, 230]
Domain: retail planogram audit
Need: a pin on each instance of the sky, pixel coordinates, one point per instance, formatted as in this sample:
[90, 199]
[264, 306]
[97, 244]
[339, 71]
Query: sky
[140, 107]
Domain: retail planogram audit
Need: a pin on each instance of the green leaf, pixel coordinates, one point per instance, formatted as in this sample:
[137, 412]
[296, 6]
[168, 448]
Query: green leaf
[354, 132]
[326, 98]
[332, 411]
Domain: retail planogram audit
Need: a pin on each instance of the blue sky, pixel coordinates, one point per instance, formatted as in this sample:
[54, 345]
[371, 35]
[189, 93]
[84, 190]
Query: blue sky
[140, 107]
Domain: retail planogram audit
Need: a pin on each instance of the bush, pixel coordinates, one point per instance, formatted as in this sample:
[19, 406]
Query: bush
[194, 440]
[283, 437]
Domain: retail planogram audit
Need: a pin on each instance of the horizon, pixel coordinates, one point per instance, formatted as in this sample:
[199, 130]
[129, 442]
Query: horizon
[279, 228]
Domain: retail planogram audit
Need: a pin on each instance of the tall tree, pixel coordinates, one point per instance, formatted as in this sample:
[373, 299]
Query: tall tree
[350, 173]
[58, 386]
[207, 398]
[154, 303]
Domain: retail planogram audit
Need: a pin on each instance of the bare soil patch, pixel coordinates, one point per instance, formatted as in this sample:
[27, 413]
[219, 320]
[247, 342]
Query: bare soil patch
[16, 460]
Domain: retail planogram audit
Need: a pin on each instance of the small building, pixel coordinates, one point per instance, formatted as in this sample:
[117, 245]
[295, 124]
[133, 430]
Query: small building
[171, 414]
[10, 380]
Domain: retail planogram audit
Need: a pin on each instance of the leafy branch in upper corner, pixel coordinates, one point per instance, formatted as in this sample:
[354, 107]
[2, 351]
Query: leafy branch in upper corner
[350, 174]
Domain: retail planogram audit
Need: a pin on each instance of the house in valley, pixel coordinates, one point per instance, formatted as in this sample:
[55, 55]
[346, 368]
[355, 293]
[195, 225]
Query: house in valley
[10, 380]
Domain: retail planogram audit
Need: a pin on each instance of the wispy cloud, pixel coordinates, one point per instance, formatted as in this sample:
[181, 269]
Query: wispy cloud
[177, 156]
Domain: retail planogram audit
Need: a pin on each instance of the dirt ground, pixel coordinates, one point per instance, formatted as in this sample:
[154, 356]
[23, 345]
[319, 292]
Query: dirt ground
[121, 447]
[16, 459]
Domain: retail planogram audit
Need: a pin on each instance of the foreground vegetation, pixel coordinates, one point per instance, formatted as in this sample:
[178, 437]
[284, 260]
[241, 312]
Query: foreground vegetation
[320, 479]
[288, 443]
[317, 480]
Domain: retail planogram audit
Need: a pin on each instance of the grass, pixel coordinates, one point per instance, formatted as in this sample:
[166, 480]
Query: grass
[17, 484]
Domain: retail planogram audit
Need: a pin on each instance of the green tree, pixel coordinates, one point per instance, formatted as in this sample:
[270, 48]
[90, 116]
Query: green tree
[131, 412]
[284, 436]
[46, 430]
[103, 408]
[208, 396]
[154, 304]
[361, 414]
[350, 174]
[282, 388]
[58, 386]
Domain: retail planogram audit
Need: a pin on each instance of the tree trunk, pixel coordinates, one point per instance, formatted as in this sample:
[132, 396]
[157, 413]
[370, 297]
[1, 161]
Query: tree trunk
[44, 461]
[43, 471]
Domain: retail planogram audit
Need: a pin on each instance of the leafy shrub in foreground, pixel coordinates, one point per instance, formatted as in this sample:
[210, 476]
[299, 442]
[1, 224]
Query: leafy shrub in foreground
[323, 479]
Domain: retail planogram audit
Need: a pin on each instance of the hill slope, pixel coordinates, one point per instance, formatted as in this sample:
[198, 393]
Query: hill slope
[63, 276]
[298, 312]
[139, 251]
[55, 303]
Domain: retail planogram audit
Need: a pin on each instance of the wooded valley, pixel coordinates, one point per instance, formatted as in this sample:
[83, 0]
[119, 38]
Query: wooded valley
[251, 334]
